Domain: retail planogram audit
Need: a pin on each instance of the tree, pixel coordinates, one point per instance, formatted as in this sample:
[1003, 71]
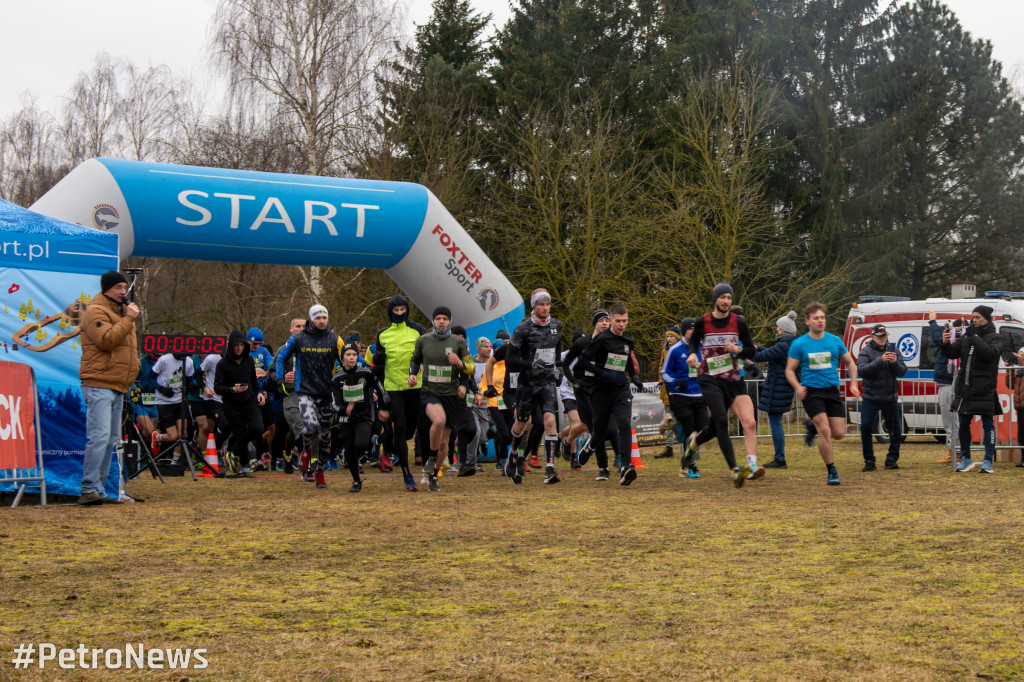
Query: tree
[317, 59]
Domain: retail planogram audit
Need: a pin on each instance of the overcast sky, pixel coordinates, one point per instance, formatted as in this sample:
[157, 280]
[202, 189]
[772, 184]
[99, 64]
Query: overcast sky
[46, 43]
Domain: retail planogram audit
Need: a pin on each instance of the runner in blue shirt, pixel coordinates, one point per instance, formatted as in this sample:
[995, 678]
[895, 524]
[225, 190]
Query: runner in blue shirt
[817, 354]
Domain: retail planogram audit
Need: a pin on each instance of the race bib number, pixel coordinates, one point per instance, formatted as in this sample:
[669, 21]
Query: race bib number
[719, 364]
[822, 360]
[692, 373]
[439, 374]
[501, 403]
[513, 380]
[616, 362]
[175, 382]
[545, 355]
[353, 393]
[469, 399]
[149, 398]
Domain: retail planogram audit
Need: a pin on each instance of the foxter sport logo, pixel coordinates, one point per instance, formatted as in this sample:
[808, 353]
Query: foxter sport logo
[105, 217]
[488, 298]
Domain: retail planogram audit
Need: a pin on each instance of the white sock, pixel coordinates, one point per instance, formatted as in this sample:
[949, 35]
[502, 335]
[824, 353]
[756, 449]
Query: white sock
[752, 461]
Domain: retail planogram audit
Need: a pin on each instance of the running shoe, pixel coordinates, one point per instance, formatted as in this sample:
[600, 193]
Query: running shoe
[245, 472]
[986, 467]
[739, 475]
[520, 471]
[383, 464]
[756, 474]
[684, 473]
[534, 462]
[575, 464]
[965, 464]
[692, 473]
[691, 452]
[810, 437]
[602, 475]
[357, 486]
[410, 481]
[869, 466]
[566, 450]
[776, 464]
[508, 467]
[891, 465]
[833, 476]
[584, 456]
[154, 444]
[667, 452]
[434, 487]
[628, 475]
[550, 475]
[288, 467]
[320, 481]
[265, 461]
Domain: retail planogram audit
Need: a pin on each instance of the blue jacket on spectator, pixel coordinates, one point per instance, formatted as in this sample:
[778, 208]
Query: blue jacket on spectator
[675, 373]
[943, 377]
[777, 394]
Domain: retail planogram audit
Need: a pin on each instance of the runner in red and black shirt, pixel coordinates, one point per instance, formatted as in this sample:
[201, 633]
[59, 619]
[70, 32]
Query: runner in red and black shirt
[723, 338]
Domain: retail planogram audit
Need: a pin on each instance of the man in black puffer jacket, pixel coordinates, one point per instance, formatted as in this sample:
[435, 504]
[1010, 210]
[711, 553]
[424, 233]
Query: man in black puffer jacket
[235, 381]
[880, 366]
[974, 388]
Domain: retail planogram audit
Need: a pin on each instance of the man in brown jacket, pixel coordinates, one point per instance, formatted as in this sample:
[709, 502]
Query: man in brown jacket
[110, 364]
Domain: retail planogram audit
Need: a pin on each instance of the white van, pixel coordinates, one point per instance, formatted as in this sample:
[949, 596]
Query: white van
[907, 323]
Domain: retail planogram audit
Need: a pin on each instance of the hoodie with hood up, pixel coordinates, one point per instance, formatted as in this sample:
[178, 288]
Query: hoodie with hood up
[236, 369]
[398, 340]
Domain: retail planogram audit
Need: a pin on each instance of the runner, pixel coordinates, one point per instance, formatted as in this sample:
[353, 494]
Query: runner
[446, 359]
[284, 376]
[817, 354]
[721, 339]
[575, 428]
[608, 357]
[583, 389]
[390, 360]
[500, 400]
[316, 349]
[353, 388]
[533, 351]
[684, 396]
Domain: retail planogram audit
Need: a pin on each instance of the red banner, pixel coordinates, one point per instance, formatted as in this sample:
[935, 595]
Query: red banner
[17, 417]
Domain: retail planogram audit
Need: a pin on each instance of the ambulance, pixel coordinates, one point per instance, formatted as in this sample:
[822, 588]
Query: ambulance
[907, 323]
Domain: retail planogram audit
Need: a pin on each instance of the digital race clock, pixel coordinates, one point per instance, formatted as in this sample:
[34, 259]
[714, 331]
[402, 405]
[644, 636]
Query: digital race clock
[183, 343]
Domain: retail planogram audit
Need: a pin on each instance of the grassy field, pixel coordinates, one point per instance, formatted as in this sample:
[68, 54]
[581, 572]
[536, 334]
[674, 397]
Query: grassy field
[913, 574]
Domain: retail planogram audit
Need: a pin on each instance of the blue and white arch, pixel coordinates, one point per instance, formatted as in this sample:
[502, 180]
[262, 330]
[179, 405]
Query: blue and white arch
[188, 212]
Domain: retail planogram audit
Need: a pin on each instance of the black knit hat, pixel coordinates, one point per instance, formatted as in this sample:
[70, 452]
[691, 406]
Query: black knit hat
[111, 279]
[459, 330]
[685, 325]
[442, 310]
[721, 290]
[985, 311]
[600, 315]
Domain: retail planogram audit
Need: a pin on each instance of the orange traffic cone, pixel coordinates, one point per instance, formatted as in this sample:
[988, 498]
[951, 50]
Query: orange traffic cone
[634, 455]
[212, 468]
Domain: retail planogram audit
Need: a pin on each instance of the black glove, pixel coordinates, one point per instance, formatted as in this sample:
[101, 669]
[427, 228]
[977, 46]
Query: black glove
[491, 392]
[165, 391]
[636, 382]
[380, 355]
[539, 364]
[613, 377]
[971, 330]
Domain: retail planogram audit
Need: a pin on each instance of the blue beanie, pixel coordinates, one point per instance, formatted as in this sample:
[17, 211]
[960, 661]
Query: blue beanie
[254, 334]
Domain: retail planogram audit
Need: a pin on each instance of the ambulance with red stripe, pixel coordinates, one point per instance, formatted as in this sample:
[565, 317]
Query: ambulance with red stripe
[907, 324]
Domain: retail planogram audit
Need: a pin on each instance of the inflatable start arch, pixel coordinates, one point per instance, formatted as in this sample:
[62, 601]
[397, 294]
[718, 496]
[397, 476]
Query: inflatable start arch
[188, 212]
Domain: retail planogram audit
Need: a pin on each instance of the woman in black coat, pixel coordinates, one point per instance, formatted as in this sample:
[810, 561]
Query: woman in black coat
[974, 388]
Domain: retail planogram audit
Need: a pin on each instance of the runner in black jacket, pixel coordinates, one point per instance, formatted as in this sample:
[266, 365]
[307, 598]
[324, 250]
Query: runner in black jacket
[353, 389]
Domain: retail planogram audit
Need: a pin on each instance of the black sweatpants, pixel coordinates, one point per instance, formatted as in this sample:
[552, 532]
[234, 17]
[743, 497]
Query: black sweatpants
[355, 439]
[503, 423]
[585, 408]
[719, 396]
[612, 406]
[246, 426]
[406, 413]
[691, 413]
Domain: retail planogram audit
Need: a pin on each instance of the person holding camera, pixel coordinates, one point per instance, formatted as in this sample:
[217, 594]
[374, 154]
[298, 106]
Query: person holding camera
[109, 366]
[880, 366]
[974, 388]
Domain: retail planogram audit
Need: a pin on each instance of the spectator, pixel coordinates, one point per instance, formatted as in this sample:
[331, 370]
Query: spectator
[109, 365]
[236, 382]
[777, 395]
[880, 367]
[943, 378]
[974, 389]
[672, 337]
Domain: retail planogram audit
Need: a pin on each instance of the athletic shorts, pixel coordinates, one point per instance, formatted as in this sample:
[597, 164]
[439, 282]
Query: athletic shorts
[729, 390]
[141, 410]
[456, 413]
[267, 413]
[825, 400]
[214, 410]
[569, 405]
[529, 398]
[168, 416]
